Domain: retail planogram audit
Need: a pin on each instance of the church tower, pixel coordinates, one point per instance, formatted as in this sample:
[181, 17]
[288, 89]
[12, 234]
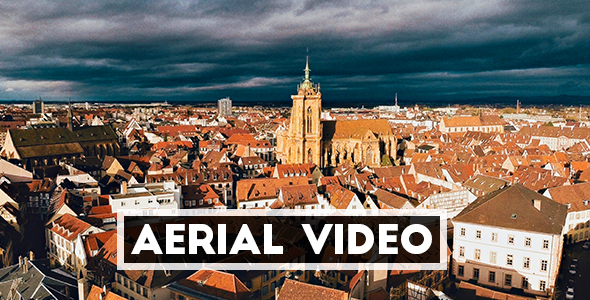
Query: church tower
[304, 138]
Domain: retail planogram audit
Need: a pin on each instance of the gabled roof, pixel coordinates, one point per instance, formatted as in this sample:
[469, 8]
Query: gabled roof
[295, 290]
[576, 195]
[218, 284]
[38, 282]
[97, 293]
[68, 227]
[357, 129]
[513, 207]
[389, 200]
[294, 195]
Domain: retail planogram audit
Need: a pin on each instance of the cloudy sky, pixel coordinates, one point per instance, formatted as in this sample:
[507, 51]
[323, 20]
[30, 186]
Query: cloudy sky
[255, 50]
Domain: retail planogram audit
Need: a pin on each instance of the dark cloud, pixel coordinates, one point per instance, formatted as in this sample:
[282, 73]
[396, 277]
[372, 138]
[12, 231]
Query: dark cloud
[255, 50]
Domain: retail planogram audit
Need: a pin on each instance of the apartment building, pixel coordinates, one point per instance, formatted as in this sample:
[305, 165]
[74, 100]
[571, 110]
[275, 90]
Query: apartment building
[510, 238]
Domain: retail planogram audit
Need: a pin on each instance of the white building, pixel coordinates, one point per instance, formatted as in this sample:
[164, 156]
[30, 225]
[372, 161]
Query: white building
[64, 245]
[224, 107]
[451, 201]
[511, 238]
[577, 199]
[165, 195]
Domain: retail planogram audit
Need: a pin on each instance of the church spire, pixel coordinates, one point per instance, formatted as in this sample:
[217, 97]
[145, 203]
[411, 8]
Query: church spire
[70, 116]
[306, 84]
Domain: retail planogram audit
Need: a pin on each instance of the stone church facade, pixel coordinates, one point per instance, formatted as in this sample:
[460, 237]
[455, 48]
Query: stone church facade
[330, 143]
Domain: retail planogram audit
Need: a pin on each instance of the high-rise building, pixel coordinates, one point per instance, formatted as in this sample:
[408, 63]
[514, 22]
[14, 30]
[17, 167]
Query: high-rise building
[38, 106]
[224, 107]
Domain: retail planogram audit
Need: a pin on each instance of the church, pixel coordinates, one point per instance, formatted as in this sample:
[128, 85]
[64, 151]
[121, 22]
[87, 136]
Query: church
[330, 143]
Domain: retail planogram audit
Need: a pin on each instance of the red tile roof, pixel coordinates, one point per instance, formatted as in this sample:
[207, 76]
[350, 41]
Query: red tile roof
[68, 227]
[295, 290]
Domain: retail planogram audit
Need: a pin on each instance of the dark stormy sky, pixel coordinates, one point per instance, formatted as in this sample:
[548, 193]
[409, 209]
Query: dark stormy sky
[255, 50]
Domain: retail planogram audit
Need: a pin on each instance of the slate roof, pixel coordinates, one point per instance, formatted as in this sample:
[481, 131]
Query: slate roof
[37, 283]
[512, 207]
[41, 142]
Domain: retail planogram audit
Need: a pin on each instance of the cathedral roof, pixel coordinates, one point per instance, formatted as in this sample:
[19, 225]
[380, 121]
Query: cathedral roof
[357, 129]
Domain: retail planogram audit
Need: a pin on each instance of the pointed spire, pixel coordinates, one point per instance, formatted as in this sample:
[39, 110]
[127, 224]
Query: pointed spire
[306, 84]
[70, 116]
[307, 68]
[395, 99]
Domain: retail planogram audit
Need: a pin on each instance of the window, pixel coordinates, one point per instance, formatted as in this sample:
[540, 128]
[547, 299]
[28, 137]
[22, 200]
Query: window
[461, 271]
[492, 276]
[492, 257]
[544, 265]
[461, 251]
[508, 280]
[180, 297]
[545, 244]
[478, 234]
[525, 283]
[462, 231]
[511, 240]
[477, 254]
[542, 285]
[527, 242]
[265, 277]
[265, 290]
[494, 236]
[526, 263]
[509, 259]
[475, 273]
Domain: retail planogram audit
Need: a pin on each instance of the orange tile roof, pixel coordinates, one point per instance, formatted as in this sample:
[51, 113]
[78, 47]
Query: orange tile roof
[68, 227]
[216, 283]
[97, 293]
[264, 188]
[295, 290]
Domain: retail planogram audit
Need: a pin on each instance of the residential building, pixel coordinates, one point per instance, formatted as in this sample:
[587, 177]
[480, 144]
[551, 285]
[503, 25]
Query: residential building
[209, 284]
[577, 199]
[64, 241]
[510, 238]
[165, 195]
[486, 123]
[224, 107]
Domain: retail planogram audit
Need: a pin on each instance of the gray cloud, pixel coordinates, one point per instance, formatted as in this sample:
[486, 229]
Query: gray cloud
[203, 50]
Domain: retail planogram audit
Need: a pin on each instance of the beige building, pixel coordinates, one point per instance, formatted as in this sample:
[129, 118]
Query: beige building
[485, 123]
[330, 143]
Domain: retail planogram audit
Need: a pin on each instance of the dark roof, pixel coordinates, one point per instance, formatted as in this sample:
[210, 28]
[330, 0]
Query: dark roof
[39, 142]
[37, 283]
[512, 207]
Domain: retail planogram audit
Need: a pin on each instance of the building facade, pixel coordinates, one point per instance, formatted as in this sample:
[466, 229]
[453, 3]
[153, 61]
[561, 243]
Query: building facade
[224, 107]
[511, 238]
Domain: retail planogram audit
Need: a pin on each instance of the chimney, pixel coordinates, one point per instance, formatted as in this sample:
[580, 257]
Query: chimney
[25, 265]
[123, 187]
[83, 287]
[537, 204]
[20, 261]
[31, 256]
